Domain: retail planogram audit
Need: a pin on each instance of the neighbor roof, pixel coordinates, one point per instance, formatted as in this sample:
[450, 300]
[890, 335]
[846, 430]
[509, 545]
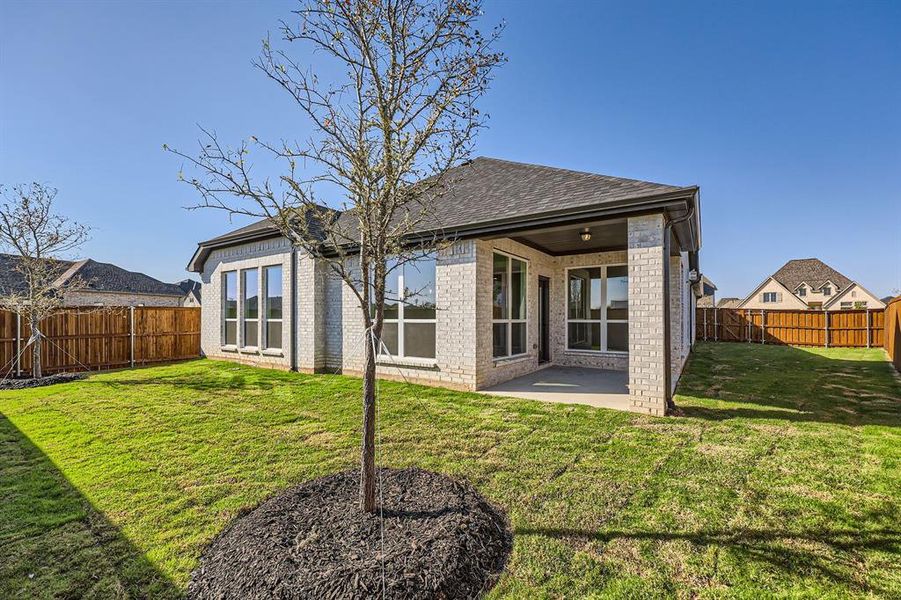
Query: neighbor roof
[100, 277]
[811, 271]
[494, 193]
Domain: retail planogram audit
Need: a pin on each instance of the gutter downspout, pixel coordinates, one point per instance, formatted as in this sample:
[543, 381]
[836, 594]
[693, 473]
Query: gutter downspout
[295, 312]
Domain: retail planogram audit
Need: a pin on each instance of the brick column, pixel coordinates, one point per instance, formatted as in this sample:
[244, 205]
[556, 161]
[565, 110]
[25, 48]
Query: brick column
[647, 378]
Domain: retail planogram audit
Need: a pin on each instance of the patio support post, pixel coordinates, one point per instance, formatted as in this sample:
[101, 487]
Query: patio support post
[648, 310]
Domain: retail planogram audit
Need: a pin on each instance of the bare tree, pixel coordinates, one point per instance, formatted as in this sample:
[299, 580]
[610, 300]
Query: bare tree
[384, 134]
[30, 229]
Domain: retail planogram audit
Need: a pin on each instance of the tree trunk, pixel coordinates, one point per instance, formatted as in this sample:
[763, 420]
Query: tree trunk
[367, 472]
[36, 370]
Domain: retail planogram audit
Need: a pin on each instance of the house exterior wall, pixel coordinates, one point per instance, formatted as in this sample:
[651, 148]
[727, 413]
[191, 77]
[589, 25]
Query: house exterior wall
[93, 298]
[254, 255]
[854, 294]
[787, 300]
[647, 378]
[330, 325]
[190, 301]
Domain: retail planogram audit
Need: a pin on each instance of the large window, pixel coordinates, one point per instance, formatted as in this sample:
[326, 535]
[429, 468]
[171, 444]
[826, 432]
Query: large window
[410, 305]
[272, 310]
[251, 297]
[230, 308]
[509, 322]
[598, 309]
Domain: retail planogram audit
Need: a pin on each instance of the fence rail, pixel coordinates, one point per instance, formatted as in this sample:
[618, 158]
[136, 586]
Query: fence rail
[98, 338]
[836, 329]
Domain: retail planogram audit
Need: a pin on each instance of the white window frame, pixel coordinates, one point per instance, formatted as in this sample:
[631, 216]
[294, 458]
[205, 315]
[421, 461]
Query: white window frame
[802, 291]
[773, 295]
[846, 305]
[225, 319]
[510, 321]
[604, 321]
[241, 312]
[264, 308]
[401, 319]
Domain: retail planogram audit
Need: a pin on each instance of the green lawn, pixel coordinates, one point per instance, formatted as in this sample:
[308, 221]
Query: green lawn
[782, 477]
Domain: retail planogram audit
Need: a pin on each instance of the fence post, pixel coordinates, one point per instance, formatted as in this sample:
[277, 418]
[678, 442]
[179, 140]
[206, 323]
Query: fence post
[826, 321]
[131, 335]
[715, 326]
[705, 324]
[18, 345]
[748, 319]
[762, 326]
[868, 327]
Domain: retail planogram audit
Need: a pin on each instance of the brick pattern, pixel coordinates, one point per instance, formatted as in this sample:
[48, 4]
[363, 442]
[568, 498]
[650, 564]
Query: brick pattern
[647, 381]
[330, 322]
[86, 298]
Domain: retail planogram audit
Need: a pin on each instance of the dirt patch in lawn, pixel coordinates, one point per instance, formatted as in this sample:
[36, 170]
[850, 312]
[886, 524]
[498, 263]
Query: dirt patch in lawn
[21, 384]
[434, 537]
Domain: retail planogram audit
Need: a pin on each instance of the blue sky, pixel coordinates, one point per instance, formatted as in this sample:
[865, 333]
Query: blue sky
[787, 114]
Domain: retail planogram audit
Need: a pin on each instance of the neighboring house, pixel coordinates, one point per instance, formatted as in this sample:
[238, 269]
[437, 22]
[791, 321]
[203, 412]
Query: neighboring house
[191, 290]
[728, 303]
[105, 284]
[887, 299]
[708, 293]
[809, 283]
[547, 266]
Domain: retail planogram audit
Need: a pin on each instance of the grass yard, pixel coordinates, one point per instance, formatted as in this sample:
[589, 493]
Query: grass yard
[783, 477]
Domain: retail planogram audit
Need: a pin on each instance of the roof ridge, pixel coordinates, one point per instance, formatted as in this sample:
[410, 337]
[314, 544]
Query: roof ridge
[576, 172]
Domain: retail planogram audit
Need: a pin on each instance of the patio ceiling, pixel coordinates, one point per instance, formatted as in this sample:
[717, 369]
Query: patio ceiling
[557, 241]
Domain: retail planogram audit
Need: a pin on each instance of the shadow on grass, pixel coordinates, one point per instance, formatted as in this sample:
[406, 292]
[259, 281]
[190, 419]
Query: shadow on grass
[53, 543]
[733, 380]
[795, 553]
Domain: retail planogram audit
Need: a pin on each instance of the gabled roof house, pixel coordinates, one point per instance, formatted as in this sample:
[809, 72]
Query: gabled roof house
[809, 283]
[105, 284]
[545, 266]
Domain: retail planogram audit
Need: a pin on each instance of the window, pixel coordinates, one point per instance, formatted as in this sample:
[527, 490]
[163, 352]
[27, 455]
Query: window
[251, 297]
[410, 309]
[846, 305]
[827, 291]
[508, 310]
[598, 308]
[802, 291]
[230, 307]
[272, 311]
[854, 293]
[769, 297]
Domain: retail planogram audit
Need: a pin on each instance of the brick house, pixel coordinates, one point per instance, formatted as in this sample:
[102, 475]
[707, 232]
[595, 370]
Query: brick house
[105, 284]
[546, 267]
[809, 283]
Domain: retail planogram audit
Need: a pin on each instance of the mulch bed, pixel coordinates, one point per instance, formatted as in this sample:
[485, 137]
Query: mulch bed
[21, 384]
[441, 540]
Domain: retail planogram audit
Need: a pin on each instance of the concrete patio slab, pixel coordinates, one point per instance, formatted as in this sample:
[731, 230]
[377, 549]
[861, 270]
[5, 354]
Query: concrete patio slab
[569, 385]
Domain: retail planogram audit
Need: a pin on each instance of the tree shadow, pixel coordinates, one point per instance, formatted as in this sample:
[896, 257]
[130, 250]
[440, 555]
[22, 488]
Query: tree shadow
[793, 552]
[54, 543]
[754, 381]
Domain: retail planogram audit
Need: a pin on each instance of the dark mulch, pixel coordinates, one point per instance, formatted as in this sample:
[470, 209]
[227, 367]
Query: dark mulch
[441, 540]
[21, 384]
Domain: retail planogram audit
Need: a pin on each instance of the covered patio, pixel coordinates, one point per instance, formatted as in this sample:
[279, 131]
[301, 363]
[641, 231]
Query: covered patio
[601, 388]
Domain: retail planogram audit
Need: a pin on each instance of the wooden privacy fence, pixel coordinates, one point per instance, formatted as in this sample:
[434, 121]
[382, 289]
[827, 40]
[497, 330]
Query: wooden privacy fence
[893, 332]
[97, 338]
[837, 329]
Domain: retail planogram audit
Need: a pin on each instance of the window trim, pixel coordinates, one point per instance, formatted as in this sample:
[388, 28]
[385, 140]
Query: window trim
[264, 308]
[604, 321]
[509, 321]
[241, 310]
[401, 320]
[773, 295]
[225, 319]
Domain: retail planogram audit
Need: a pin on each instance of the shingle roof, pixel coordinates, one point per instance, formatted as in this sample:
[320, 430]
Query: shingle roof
[189, 285]
[101, 277]
[11, 280]
[728, 303]
[811, 271]
[488, 191]
[491, 189]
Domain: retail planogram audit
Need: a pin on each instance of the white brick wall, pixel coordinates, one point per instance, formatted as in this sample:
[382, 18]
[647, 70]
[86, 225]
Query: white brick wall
[330, 322]
[647, 381]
